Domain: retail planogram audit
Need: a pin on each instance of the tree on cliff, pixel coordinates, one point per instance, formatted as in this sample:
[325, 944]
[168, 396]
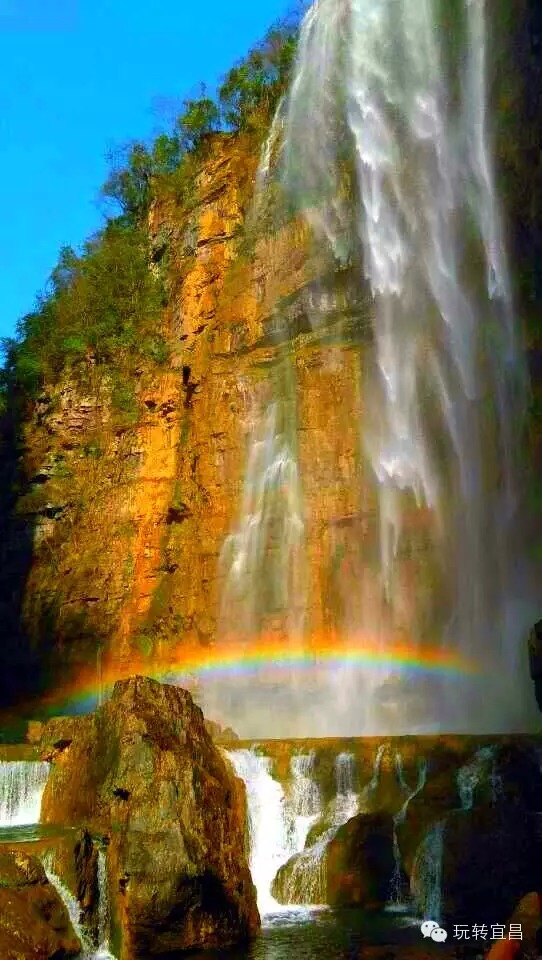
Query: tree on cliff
[251, 90]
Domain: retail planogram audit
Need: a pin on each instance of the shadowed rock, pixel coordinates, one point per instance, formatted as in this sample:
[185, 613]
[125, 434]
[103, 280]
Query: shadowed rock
[34, 923]
[350, 865]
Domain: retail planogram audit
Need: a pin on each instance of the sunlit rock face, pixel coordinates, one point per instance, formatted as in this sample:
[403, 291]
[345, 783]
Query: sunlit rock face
[144, 773]
[33, 921]
[328, 463]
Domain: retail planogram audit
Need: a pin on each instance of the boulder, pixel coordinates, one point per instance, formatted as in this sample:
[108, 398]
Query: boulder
[143, 773]
[360, 862]
[53, 736]
[351, 865]
[34, 923]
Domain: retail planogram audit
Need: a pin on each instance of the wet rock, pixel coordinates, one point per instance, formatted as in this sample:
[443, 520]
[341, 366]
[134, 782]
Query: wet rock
[34, 923]
[144, 772]
[351, 865]
[485, 861]
[360, 862]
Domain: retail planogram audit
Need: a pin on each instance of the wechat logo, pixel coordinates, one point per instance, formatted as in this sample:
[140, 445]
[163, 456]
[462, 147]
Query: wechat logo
[430, 928]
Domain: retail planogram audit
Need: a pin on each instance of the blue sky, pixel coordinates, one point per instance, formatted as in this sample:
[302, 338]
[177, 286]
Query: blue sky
[78, 78]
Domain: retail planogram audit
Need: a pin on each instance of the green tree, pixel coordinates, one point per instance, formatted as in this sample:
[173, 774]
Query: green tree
[129, 183]
[200, 119]
[251, 90]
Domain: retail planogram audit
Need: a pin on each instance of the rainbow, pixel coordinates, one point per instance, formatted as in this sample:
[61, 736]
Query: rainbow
[269, 659]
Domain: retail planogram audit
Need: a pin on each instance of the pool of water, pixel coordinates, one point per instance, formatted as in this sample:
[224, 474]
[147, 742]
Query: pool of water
[330, 935]
[33, 833]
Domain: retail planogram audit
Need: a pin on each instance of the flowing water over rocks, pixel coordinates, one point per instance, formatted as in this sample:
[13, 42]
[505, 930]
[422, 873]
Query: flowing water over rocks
[21, 789]
[89, 952]
[398, 879]
[278, 824]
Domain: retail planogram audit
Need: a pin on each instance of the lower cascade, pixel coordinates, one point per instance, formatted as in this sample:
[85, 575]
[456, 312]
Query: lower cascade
[281, 822]
[427, 874]
[271, 823]
[397, 879]
[21, 790]
[89, 951]
[307, 879]
[473, 775]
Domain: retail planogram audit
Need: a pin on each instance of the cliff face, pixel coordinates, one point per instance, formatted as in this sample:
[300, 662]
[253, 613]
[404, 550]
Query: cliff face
[128, 523]
[115, 550]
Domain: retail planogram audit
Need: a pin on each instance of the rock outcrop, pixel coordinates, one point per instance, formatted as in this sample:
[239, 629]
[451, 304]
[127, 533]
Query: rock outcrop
[350, 865]
[143, 774]
[360, 862]
[480, 860]
[34, 923]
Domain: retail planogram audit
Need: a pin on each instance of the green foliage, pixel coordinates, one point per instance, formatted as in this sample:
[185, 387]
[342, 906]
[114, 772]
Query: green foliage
[93, 449]
[129, 183]
[123, 399]
[145, 643]
[200, 119]
[104, 305]
[251, 90]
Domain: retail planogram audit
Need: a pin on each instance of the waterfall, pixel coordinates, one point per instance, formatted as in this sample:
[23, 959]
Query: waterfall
[70, 902]
[261, 558]
[21, 789]
[370, 788]
[387, 154]
[400, 771]
[400, 816]
[469, 776]
[346, 802]
[305, 797]
[74, 910]
[307, 878]
[427, 874]
[272, 831]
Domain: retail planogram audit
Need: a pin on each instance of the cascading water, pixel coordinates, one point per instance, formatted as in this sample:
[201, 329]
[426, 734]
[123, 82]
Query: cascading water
[368, 791]
[21, 790]
[262, 558]
[399, 769]
[387, 154]
[273, 832]
[426, 879]
[305, 797]
[346, 802]
[307, 878]
[73, 907]
[262, 563]
[397, 892]
[481, 768]
[70, 902]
